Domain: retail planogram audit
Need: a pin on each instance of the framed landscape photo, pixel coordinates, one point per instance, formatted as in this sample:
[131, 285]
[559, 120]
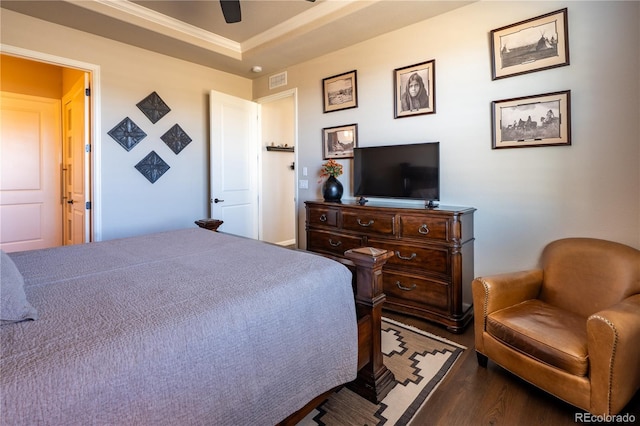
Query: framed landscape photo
[340, 92]
[532, 45]
[415, 92]
[338, 142]
[540, 120]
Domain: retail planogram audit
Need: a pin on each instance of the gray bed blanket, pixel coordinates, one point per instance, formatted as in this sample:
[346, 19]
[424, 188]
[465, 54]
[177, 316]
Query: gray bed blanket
[187, 327]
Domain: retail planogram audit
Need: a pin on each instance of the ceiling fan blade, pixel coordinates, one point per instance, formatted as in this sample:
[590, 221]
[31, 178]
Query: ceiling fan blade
[231, 11]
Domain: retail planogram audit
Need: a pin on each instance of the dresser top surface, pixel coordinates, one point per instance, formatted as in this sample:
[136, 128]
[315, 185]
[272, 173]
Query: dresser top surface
[394, 205]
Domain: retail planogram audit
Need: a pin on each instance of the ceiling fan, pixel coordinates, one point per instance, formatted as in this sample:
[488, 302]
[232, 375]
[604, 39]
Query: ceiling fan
[231, 10]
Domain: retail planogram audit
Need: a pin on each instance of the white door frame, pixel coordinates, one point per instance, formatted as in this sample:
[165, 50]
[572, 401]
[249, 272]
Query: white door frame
[95, 114]
[264, 100]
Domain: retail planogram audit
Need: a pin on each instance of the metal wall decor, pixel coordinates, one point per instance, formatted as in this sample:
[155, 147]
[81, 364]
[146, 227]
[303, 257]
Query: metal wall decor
[153, 107]
[152, 167]
[127, 134]
[176, 139]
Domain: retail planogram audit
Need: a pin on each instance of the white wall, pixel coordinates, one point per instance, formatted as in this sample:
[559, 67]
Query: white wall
[525, 197]
[130, 204]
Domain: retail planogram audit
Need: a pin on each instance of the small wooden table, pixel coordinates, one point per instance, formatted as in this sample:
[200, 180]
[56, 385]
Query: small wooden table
[210, 224]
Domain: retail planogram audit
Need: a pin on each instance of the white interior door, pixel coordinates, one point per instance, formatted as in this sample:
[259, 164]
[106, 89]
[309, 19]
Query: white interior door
[234, 164]
[30, 182]
[75, 177]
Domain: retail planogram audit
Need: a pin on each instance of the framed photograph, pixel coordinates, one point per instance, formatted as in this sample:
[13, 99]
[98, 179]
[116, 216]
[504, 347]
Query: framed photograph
[540, 120]
[338, 142]
[340, 92]
[532, 45]
[415, 89]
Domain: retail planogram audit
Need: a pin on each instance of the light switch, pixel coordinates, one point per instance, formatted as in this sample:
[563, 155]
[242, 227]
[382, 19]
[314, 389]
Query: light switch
[304, 171]
[303, 184]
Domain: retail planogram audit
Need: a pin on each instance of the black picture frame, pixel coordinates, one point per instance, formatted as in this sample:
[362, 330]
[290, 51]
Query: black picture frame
[532, 121]
[421, 76]
[339, 141]
[340, 92]
[535, 44]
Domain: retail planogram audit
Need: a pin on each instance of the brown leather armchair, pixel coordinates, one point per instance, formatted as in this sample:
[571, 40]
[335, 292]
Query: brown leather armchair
[572, 327]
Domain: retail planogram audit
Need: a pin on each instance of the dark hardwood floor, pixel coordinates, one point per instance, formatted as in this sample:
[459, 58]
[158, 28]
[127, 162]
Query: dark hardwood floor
[472, 395]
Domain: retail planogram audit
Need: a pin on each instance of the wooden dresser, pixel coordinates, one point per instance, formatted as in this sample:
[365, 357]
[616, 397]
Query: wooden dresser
[431, 271]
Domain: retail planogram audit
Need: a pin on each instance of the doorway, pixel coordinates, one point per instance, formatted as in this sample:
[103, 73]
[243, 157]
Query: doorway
[278, 193]
[253, 188]
[56, 191]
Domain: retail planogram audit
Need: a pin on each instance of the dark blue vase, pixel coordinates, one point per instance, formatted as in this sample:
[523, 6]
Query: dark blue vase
[332, 190]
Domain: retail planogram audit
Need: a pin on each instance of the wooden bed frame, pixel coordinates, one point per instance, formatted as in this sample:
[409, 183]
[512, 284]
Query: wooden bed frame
[374, 380]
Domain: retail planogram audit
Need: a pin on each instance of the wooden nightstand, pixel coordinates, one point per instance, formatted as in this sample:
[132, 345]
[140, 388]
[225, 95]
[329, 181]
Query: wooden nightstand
[210, 224]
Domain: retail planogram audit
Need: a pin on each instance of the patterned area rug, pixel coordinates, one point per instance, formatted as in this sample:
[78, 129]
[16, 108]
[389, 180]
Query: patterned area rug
[419, 361]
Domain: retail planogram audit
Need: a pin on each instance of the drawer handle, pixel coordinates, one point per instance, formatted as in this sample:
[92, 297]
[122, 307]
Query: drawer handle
[413, 256]
[401, 287]
[323, 217]
[334, 244]
[365, 224]
[423, 229]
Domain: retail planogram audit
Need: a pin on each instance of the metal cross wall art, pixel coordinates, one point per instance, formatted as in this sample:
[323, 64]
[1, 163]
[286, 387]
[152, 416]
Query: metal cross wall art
[127, 134]
[176, 139]
[153, 107]
[152, 167]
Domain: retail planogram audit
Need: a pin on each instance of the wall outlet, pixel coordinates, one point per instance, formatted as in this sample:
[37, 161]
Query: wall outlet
[303, 184]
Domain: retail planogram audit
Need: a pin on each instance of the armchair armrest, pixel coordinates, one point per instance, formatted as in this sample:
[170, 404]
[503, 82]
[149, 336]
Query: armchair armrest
[500, 291]
[496, 292]
[614, 345]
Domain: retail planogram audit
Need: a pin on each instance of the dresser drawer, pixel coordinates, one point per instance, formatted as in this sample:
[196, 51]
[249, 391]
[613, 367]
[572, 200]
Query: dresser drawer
[332, 243]
[421, 227]
[323, 216]
[430, 259]
[370, 223]
[415, 291]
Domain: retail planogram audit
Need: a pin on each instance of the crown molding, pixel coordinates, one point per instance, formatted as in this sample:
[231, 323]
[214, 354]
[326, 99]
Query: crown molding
[148, 19]
[309, 20]
[132, 13]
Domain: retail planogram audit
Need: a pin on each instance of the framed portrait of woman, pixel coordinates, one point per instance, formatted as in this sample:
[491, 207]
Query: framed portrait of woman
[415, 89]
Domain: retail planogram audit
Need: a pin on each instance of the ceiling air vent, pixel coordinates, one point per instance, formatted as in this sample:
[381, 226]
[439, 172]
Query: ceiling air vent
[278, 80]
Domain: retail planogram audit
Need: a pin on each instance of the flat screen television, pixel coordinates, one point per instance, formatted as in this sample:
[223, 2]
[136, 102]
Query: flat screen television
[398, 171]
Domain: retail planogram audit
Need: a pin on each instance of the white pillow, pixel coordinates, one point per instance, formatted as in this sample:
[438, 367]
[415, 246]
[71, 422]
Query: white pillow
[14, 306]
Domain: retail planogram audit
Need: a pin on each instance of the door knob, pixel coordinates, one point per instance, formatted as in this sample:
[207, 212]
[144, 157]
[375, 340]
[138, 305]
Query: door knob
[218, 201]
[69, 201]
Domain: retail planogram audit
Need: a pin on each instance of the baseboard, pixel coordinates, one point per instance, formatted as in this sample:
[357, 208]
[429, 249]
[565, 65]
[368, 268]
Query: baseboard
[287, 243]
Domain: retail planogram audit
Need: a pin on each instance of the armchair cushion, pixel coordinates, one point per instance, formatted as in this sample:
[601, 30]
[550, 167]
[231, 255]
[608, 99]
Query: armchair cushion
[550, 335]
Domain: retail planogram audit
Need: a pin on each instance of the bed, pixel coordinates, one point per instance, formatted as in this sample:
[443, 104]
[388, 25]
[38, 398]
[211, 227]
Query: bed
[185, 327]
